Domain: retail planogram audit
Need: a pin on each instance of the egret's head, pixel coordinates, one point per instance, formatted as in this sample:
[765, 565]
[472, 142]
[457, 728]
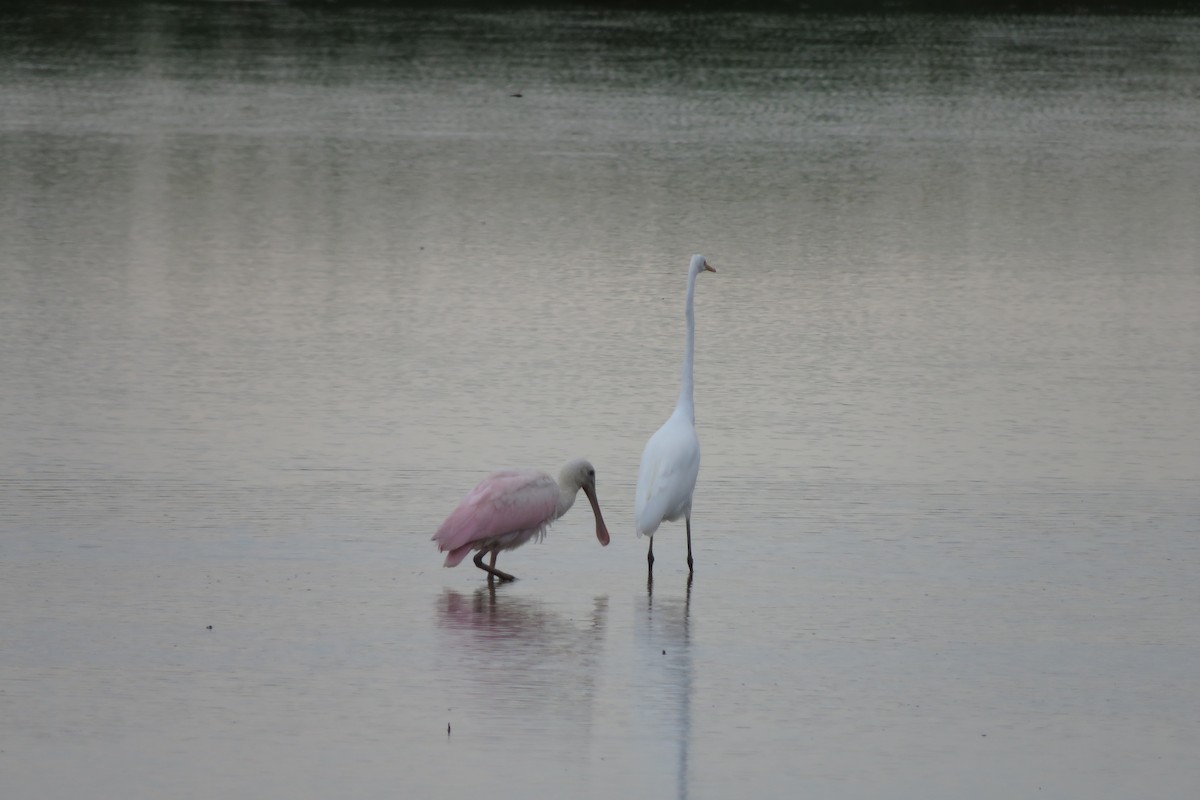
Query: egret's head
[700, 264]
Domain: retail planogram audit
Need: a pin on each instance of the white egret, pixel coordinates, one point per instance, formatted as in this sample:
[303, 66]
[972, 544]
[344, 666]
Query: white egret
[671, 459]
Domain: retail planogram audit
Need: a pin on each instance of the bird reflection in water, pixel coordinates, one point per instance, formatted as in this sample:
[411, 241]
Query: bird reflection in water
[518, 660]
[664, 638]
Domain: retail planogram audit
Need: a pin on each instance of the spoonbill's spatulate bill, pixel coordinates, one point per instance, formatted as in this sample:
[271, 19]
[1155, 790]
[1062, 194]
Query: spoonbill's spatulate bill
[671, 459]
[510, 507]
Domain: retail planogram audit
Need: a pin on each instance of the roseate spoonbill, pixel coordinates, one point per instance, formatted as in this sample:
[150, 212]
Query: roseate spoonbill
[671, 460]
[510, 507]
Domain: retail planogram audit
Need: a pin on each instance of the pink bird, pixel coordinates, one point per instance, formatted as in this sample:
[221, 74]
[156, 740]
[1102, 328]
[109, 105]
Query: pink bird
[510, 507]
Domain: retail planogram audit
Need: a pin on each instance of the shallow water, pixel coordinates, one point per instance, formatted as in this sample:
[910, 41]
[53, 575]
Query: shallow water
[279, 285]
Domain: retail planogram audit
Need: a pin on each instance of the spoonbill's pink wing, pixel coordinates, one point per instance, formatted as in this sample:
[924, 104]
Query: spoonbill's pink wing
[503, 502]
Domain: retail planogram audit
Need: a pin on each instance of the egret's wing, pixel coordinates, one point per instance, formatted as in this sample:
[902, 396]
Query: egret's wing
[503, 502]
[667, 475]
[649, 503]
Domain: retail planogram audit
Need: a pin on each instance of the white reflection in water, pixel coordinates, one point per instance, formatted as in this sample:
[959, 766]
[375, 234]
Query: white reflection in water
[664, 647]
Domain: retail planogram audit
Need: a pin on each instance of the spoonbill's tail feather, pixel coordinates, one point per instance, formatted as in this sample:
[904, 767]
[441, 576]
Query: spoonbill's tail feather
[456, 555]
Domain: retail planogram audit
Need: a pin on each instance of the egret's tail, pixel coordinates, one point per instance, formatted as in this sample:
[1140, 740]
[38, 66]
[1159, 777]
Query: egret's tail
[647, 516]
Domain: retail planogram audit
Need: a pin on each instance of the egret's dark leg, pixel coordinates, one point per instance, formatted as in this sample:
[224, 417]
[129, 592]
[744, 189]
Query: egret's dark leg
[688, 520]
[491, 570]
[650, 555]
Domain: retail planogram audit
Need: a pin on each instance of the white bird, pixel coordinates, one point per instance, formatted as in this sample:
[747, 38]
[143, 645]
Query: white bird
[671, 459]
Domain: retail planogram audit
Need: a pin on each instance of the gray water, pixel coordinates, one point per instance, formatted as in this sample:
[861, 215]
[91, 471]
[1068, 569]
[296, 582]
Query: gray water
[279, 284]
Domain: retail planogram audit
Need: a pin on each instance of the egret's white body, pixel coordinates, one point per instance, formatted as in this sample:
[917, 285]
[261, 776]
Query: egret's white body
[671, 459]
[667, 475]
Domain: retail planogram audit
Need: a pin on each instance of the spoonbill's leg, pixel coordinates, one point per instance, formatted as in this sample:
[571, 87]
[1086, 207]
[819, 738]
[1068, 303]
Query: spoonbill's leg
[491, 570]
[688, 520]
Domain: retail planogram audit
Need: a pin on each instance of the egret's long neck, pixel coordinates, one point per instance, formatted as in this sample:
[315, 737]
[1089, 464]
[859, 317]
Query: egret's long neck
[686, 406]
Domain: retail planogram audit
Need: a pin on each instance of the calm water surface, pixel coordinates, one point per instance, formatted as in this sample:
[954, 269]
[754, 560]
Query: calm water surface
[278, 285]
